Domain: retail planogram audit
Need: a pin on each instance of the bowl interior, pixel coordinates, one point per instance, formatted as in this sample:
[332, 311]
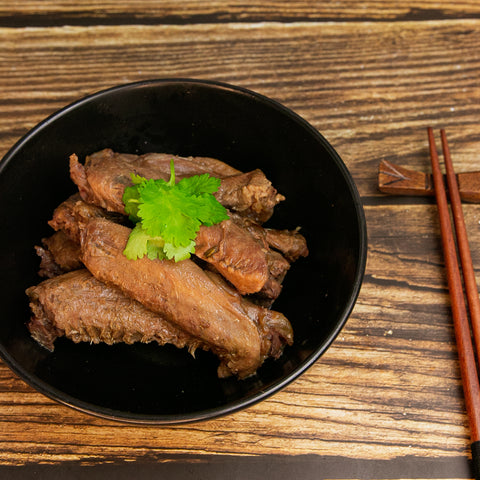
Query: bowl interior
[163, 384]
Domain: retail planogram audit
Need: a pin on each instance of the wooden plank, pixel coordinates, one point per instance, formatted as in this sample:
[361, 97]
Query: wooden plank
[366, 86]
[253, 467]
[38, 12]
[390, 378]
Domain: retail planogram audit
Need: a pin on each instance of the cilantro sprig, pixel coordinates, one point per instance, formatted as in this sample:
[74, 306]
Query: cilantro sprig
[168, 215]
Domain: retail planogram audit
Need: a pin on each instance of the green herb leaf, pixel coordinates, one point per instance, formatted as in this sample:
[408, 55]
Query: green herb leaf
[179, 253]
[137, 244]
[199, 184]
[131, 199]
[168, 215]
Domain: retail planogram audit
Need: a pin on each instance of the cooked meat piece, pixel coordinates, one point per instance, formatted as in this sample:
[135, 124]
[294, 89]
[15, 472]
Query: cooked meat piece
[106, 174]
[249, 194]
[187, 296]
[48, 267]
[226, 246]
[290, 243]
[269, 293]
[278, 266]
[73, 214]
[76, 305]
[103, 178]
[59, 254]
[275, 330]
[152, 163]
[235, 254]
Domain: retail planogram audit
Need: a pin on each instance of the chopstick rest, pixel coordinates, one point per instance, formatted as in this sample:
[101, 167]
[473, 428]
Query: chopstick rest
[396, 180]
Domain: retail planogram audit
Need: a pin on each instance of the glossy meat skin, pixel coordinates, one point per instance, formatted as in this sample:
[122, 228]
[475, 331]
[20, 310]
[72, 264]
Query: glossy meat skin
[230, 249]
[235, 255]
[290, 243]
[226, 247]
[76, 305]
[73, 214]
[274, 329]
[240, 333]
[103, 178]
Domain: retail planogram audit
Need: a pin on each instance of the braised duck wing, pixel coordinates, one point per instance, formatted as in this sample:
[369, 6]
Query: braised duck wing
[230, 249]
[59, 254]
[76, 305]
[274, 328]
[249, 194]
[183, 294]
[290, 243]
[103, 178]
[235, 254]
[226, 248]
[73, 214]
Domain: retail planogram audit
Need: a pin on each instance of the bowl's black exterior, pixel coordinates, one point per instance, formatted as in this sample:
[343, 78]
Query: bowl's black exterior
[147, 383]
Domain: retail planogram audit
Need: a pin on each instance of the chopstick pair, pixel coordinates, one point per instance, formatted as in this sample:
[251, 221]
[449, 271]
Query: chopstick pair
[462, 327]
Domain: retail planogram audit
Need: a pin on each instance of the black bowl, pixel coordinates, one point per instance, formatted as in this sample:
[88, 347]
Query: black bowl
[164, 385]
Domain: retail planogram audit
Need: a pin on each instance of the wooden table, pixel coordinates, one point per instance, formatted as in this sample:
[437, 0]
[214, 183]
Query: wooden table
[385, 401]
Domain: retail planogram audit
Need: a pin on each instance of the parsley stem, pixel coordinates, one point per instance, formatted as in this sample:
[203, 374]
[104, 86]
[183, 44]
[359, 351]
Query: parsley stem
[171, 182]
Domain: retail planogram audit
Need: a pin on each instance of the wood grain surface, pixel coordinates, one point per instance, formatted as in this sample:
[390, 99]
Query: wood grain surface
[48, 12]
[385, 401]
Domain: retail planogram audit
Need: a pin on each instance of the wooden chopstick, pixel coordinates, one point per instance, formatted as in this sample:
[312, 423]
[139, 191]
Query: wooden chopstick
[466, 356]
[463, 245]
